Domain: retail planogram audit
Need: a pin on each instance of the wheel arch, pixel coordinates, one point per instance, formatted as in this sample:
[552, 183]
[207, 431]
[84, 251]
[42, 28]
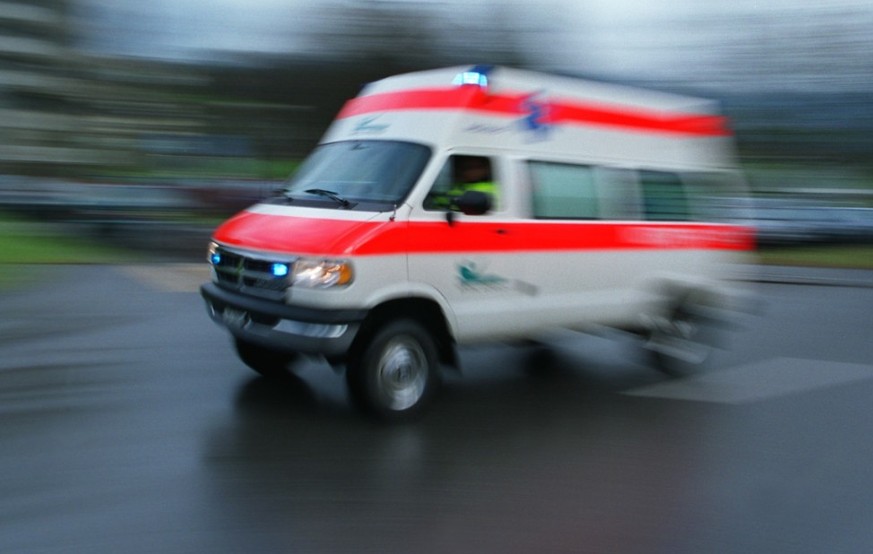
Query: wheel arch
[426, 311]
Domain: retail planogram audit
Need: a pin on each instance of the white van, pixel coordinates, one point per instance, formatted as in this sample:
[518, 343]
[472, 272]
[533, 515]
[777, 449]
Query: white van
[594, 214]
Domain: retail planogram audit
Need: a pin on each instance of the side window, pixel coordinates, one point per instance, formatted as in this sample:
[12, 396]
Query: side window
[458, 175]
[563, 191]
[618, 194]
[664, 197]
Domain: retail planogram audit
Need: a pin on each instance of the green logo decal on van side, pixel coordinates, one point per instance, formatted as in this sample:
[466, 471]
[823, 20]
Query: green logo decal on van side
[469, 274]
[473, 278]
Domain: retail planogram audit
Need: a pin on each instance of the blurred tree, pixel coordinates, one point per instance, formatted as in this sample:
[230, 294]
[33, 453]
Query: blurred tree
[274, 107]
[284, 103]
[383, 37]
[823, 48]
[795, 78]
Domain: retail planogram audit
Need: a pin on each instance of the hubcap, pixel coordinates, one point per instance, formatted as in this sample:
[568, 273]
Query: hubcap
[402, 373]
[682, 342]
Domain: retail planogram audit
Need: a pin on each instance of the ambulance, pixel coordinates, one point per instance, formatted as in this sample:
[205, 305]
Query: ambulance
[596, 213]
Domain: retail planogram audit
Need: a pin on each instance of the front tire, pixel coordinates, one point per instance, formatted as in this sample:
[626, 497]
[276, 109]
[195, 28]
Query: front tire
[396, 372]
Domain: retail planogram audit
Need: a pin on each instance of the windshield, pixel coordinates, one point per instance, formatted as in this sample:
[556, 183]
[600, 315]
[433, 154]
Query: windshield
[350, 173]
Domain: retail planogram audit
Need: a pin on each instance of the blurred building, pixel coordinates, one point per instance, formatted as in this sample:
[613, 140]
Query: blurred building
[65, 113]
[137, 111]
[38, 87]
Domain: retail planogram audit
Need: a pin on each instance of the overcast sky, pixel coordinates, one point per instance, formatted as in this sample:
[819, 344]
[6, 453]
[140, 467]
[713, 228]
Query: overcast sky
[807, 42]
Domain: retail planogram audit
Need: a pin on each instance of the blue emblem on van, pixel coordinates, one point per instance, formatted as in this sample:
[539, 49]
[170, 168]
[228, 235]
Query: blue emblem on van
[537, 112]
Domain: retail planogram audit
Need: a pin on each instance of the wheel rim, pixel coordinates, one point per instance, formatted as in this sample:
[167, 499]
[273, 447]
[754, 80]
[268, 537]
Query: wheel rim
[401, 376]
[682, 340]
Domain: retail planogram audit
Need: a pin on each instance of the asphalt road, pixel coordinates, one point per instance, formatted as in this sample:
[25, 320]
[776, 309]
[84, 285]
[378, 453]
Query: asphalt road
[127, 425]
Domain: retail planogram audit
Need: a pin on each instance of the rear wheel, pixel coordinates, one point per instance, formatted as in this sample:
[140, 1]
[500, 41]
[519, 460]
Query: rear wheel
[396, 372]
[269, 363]
[684, 342]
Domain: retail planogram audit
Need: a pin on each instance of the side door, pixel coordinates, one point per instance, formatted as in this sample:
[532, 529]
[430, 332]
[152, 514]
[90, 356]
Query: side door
[471, 260]
[575, 254]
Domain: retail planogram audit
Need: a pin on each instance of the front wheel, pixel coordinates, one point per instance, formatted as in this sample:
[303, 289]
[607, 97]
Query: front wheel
[396, 372]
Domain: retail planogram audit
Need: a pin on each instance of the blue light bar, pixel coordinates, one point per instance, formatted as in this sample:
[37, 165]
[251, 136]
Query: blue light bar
[279, 270]
[471, 78]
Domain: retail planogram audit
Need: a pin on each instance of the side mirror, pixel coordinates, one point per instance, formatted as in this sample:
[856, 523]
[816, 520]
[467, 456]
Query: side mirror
[474, 202]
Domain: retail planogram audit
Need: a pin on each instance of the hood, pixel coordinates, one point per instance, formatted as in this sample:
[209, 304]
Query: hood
[310, 232]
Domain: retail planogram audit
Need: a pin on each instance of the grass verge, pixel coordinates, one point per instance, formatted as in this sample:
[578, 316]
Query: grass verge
[29, 243]
[837, 256]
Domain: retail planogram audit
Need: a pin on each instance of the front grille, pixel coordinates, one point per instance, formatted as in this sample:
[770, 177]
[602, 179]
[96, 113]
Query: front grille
[249, 273]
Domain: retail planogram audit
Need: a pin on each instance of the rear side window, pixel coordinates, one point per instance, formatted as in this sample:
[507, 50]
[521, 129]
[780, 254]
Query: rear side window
[664, 197]
[563, 191]
[618, 194]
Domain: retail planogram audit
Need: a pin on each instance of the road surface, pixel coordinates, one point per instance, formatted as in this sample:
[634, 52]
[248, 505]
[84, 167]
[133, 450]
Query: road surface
[128, 425]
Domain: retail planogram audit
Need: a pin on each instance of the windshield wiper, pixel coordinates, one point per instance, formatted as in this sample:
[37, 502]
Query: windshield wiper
[332, 195]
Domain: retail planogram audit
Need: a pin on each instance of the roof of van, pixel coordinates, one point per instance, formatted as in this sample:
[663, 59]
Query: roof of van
[505, 79]
[531, 113]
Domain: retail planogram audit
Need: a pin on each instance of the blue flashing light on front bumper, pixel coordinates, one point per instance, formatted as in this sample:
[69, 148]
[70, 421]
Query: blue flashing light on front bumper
[279, 270]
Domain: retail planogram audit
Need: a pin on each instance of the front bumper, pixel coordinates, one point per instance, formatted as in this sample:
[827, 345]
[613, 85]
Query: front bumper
[281, 327]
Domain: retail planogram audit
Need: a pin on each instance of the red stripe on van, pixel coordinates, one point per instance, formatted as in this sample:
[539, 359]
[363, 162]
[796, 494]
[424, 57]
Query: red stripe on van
[331, 237]
[474, 98]
[421, 99]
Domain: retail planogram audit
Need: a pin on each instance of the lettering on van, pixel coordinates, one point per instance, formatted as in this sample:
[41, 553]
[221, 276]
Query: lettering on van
[533, 123]
[686, 237]
[367, 126]
[488, 129]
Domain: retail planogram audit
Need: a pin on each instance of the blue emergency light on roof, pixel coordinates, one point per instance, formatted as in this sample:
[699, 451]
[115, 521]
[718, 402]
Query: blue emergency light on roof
[279, 270]
[471, 78]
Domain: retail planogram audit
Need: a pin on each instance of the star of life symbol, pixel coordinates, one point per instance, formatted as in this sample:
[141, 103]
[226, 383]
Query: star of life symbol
[537, 113]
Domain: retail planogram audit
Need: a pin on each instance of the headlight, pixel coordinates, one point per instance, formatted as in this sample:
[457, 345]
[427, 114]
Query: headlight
[321, 274]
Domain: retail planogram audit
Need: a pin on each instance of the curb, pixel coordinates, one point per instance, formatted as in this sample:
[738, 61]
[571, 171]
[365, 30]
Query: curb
[810, 276]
